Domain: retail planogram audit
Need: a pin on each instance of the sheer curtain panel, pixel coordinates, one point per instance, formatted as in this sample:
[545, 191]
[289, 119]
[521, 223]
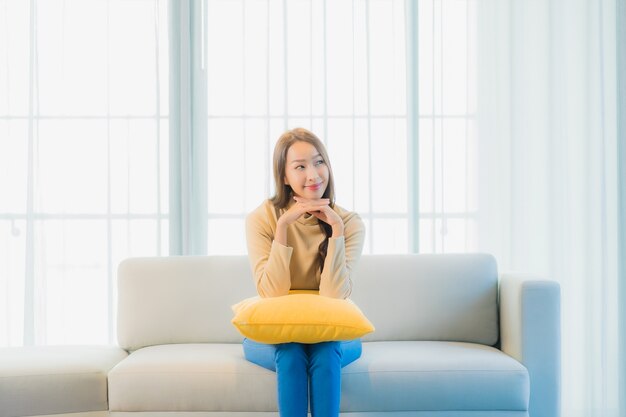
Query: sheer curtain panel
[83, 161]
[548, 174]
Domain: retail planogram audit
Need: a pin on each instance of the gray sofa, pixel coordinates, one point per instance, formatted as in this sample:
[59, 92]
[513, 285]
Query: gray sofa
[452, 339]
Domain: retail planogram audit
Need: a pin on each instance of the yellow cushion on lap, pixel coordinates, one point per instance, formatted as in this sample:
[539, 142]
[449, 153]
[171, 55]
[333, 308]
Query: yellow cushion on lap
[301, 316]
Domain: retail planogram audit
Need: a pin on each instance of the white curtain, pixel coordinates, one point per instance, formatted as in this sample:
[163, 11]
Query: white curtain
[548, 173]
[83, 161]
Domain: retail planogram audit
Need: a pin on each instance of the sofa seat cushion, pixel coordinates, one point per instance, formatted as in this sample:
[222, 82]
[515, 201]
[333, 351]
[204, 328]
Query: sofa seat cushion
[434, 376]
[191, 377]
[389, 376]
[55, 379]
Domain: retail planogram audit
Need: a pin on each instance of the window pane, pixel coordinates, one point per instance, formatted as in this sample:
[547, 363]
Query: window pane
[426, 57]
[71, 57]
[256, 164]
[134, 171]
[340, 149]
[226, 170]
[225, 86]
[389, 159]
[13, 165]
[71, 166]
[14, 49]
[13, 256]
[227, 236]
[71, 264]
[133, 65]
[339, 58]
[427, 165]
[454, 33]
[385, 49]
[391, 236]
[137, 237]
[455, 166]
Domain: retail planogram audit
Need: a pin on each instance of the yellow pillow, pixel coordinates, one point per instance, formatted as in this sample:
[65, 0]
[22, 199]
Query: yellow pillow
[301, 316]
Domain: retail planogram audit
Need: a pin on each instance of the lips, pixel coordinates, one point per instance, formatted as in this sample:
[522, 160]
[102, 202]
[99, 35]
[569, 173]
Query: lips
[314, 187]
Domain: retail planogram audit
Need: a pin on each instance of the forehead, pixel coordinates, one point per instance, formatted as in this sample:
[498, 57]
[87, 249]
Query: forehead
[301, 150]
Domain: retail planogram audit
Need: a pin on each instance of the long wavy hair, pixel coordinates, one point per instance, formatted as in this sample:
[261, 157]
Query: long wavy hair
[284, 193]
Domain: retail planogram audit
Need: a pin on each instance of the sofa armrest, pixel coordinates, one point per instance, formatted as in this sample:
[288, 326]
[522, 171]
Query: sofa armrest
[530, 331]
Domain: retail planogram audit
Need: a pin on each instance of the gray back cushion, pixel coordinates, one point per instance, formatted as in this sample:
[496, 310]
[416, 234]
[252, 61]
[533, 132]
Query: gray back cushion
[429, 297]
[407, 297]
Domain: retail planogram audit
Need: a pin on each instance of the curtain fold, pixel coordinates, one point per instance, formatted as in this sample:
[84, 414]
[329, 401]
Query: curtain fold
[549, 179]
[621, 158]
[188, 149]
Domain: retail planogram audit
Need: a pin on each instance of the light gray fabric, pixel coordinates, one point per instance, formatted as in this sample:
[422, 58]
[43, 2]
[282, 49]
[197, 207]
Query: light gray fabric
[429, 297]
[435, 376]
[390, 376]
[55, 379]
[407, 297]
[182, 299]
[531, 332]
[191, 377]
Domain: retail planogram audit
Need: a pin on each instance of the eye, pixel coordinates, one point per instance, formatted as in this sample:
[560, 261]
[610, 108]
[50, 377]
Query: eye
[299, 167]
[319, 162]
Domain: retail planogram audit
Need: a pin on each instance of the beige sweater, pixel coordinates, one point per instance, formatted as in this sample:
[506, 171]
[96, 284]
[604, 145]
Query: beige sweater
[278, 268]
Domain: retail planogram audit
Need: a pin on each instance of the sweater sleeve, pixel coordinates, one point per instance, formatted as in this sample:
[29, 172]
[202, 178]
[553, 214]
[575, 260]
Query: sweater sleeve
[342, 254]
[269, 260]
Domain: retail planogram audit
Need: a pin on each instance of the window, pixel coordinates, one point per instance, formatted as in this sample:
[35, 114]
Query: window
[337, 68]
[447, 126]
[83, 161]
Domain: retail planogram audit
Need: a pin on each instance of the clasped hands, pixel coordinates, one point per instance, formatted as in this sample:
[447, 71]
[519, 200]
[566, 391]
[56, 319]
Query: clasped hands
[316, 207]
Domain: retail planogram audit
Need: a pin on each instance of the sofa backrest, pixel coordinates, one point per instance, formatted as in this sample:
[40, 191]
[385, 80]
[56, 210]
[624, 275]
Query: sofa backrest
[452, 297]
[165, 300]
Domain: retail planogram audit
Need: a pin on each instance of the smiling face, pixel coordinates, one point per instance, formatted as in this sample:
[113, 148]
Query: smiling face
[306, 171]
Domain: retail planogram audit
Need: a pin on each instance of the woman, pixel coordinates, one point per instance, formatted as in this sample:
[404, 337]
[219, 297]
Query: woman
[300, 240]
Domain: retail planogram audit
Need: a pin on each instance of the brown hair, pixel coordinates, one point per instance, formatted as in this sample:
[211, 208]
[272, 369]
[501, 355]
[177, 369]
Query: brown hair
[284, 193]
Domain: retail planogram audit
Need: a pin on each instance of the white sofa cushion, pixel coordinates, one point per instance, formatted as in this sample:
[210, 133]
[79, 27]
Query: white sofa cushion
[434, 376]
[191, 377]
[55, 379]
[415, 375]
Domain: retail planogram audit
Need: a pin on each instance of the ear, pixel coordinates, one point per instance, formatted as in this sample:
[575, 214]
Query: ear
[285, 181]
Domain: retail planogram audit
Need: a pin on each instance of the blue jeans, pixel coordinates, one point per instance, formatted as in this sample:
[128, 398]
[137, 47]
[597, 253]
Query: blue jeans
[297, 363]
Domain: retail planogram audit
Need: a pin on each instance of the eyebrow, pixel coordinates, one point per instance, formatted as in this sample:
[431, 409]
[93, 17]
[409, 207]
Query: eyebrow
[304, 160]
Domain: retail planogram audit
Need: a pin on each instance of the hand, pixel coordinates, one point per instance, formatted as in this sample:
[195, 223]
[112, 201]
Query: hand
[319, 208]
[322, 210]
[301, 206]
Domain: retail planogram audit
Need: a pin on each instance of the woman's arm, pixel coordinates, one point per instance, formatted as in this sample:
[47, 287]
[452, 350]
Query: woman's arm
[268, 258]
[342, 254]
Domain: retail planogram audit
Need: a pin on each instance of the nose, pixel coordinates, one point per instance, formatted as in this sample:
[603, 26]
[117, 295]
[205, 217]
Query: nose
[311, 174]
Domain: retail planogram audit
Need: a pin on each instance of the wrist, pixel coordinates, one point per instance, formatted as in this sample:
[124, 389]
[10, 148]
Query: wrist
[337, 230]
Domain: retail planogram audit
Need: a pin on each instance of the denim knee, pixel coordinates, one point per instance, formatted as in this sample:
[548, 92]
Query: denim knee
[291, 356]
[326, 355]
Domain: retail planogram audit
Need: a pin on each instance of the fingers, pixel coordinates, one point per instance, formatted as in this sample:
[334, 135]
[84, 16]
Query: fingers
[304, 204]
[319, 208]
[327, 215]
[303, 200]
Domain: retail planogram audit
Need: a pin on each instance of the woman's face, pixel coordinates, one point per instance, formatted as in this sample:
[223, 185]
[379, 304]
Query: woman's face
[306, 171]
